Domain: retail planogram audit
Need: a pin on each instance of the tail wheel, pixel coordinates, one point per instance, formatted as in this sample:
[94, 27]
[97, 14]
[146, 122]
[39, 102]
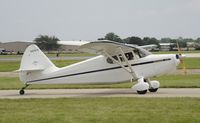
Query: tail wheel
[21, 92]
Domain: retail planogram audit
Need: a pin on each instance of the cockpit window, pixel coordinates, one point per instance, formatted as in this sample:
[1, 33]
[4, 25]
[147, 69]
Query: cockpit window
[128, 55]
[140, 53]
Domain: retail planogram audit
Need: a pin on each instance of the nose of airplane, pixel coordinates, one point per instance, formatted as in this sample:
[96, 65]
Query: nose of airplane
[177, 59]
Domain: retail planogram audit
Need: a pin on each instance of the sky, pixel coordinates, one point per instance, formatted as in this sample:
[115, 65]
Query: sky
[24, 20]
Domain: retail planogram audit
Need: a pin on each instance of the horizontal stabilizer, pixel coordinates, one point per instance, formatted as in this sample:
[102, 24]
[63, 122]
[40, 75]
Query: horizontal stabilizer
[29, 70]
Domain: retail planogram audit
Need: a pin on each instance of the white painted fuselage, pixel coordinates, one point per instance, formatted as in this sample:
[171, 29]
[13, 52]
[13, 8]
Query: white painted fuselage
[98, 70]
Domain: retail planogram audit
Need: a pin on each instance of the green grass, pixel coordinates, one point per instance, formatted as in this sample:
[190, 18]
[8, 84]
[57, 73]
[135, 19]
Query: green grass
[101, 110]
[6, 66]
[172, 81]
[191, 63]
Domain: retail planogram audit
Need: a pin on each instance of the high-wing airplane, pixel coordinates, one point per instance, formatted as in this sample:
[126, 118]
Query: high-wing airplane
[115, 63]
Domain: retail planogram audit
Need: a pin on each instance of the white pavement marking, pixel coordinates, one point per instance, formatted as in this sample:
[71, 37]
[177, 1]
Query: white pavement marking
[67, 93]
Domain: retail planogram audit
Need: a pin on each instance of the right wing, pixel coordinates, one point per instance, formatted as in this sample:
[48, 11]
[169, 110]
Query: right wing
[73, 43]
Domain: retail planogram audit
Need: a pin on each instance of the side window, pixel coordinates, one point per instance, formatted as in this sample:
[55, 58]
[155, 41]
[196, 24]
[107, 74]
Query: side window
[136, 53]
[115, 57]
[129, 56]
[109, 60]
[121, 58]
[139, 54]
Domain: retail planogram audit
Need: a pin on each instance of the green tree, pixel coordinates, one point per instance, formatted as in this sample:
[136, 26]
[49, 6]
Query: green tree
[197, 40]
[165, 40]
[47, 43]
[148, 41]
[134, 40]
[112, 37]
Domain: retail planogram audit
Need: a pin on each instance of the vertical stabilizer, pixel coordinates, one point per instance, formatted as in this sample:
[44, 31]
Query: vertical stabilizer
[33, 63]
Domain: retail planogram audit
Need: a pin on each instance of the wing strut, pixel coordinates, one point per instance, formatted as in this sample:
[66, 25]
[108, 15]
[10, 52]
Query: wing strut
[126, 60]
[131, 72]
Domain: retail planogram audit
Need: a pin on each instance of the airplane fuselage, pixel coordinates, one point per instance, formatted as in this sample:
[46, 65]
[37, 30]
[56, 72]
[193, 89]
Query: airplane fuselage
[98, 70]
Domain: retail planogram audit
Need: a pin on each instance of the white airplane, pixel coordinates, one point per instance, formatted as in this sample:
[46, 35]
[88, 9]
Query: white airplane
[116, 63]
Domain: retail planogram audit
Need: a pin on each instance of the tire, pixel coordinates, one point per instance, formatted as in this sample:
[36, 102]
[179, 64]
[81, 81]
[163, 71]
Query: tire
[21, 92]
[153, 89]
[142, 92]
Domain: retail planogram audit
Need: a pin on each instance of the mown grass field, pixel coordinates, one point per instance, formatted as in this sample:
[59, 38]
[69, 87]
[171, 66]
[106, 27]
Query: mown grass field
[171, 81]
[6, 66]
[101, 110]
[191, 63]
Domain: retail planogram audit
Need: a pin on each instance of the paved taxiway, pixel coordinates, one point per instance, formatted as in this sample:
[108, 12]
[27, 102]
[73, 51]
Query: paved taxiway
[62, 93]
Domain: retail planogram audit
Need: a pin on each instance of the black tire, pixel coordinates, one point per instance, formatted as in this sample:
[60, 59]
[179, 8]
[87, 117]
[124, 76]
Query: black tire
[142, 92]
[21, 92]
[153, 89]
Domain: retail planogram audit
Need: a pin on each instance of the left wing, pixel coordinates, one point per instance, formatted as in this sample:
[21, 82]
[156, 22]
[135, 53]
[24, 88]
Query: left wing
[149, 47]
[110, 47]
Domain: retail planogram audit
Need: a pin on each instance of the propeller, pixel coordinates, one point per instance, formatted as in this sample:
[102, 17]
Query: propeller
[181, 59]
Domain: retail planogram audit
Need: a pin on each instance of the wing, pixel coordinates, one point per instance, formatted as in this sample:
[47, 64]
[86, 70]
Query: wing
[149, 47]
[110, 47]
[73, 43]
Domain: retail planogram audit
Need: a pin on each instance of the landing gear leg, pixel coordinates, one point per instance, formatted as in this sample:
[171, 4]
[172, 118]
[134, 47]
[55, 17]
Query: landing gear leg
[21, 92]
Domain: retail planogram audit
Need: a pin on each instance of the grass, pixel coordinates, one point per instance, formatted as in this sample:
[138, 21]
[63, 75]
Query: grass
[6, 66]
[168, 81]
[191, 63]
[100, 110]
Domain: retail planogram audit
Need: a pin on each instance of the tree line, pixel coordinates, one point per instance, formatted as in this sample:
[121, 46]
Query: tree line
[49, 43]
[149, 40]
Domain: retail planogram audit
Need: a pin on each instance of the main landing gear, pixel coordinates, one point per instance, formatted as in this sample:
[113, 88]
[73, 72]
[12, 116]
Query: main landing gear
[153, 89]
[21, 91]
[145, 84]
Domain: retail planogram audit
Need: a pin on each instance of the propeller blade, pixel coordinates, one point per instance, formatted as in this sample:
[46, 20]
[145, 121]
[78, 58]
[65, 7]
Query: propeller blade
[181, 59]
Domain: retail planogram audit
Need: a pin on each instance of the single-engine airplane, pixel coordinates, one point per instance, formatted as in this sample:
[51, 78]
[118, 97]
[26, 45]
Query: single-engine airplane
[115, 63]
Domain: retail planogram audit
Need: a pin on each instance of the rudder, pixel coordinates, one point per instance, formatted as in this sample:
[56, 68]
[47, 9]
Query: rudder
[33, 62]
